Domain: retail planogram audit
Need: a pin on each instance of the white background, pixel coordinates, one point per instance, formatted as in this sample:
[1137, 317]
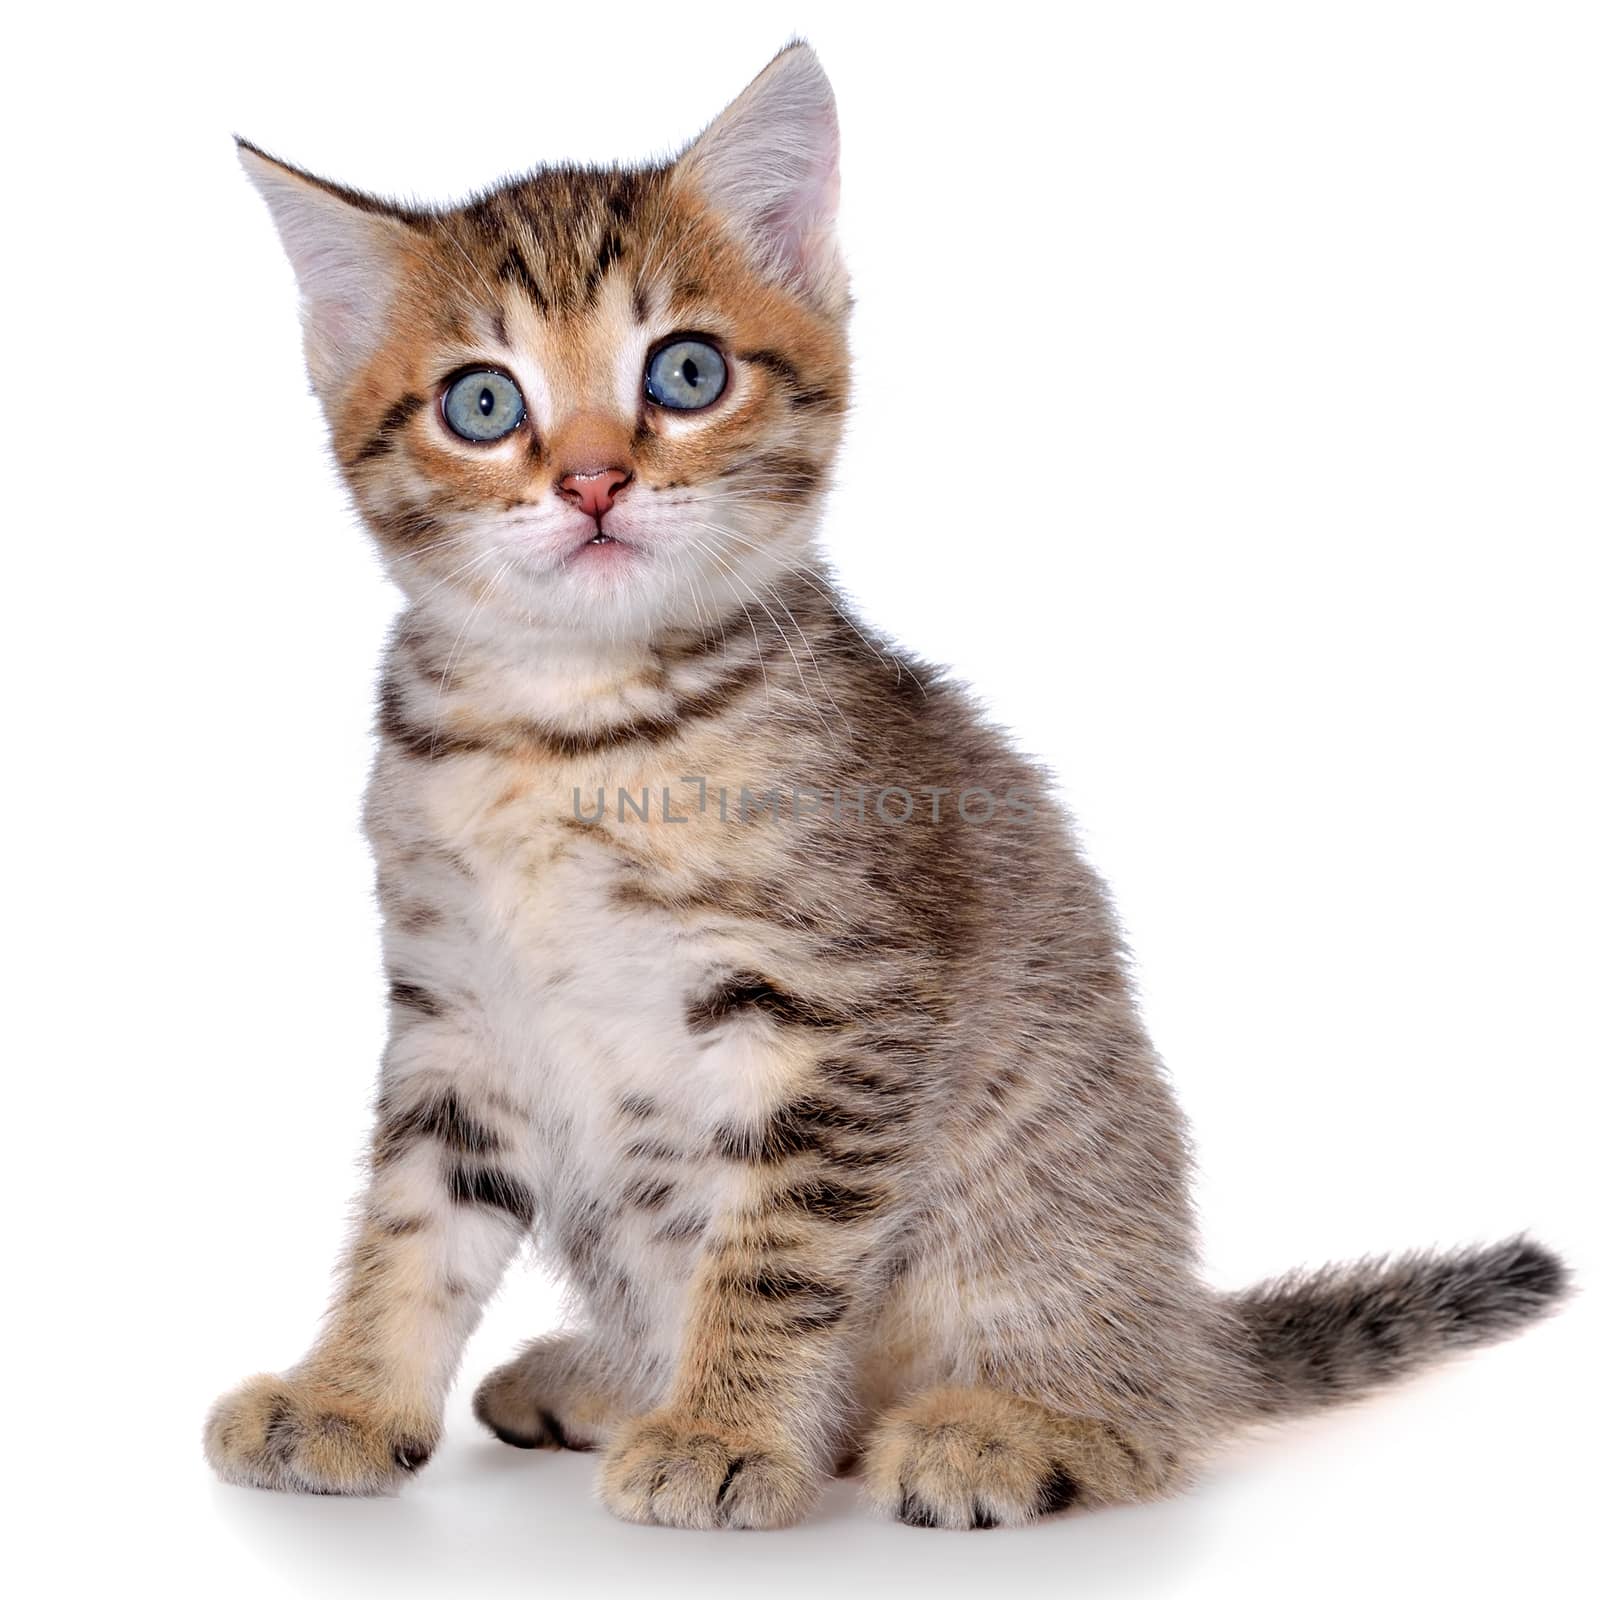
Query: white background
[1227, 412]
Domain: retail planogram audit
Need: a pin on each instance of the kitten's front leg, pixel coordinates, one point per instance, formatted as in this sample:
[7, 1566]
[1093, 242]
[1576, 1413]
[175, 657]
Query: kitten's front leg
[446, 1207]
[753, 1417]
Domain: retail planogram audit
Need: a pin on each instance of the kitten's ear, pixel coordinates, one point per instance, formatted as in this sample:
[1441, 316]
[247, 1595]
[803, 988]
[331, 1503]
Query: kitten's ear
[770, 166]
[346, 250]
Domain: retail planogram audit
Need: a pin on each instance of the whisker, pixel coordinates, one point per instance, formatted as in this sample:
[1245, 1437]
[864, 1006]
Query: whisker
[800, 671]
[816, 666]
[761, 657]
[819, 582]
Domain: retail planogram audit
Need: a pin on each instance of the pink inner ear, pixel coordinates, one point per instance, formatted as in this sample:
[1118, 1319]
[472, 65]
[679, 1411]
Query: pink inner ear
[346, 290]
[800, 223]
[343, 265]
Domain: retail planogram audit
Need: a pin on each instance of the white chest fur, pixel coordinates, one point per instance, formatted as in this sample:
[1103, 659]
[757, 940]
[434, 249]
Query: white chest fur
[582, 989]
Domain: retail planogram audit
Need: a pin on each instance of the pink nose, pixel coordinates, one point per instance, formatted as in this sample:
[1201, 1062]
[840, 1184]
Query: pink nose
[594, 493]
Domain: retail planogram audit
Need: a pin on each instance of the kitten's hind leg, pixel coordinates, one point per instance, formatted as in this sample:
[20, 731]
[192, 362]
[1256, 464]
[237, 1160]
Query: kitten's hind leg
[982, 1458]
[557, 1394]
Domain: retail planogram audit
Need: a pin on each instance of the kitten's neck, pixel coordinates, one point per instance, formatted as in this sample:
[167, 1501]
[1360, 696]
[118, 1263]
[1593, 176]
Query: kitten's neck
[470, 676]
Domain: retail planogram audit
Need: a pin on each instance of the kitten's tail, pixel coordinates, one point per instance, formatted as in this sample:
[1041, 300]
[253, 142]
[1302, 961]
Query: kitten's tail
[1318, 1338]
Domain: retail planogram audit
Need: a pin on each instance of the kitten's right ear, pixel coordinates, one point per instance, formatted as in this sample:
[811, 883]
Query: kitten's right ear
[346, 249]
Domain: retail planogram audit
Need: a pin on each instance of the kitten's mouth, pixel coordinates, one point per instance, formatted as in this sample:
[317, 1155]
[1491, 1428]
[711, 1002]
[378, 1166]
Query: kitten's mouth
[599, 544]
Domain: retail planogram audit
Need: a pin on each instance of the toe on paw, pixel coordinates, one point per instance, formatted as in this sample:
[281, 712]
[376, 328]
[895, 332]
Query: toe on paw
[915, 1512]
[735, 1467]
[558, 1436]
[545, 1432]
[1057, 1492]
[412, 1454]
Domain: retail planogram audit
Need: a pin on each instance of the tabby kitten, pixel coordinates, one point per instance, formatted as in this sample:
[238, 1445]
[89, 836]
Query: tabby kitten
[731, 954]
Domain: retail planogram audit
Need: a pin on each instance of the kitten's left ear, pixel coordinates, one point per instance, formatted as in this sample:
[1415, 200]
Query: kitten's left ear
[770, 166]
[346, 249]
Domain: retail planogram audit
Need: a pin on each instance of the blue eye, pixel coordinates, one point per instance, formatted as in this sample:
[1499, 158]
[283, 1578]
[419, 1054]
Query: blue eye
[685, 375]
[483, 405]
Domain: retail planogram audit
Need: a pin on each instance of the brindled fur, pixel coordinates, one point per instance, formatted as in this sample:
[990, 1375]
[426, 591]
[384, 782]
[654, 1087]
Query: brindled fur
[843, 1129]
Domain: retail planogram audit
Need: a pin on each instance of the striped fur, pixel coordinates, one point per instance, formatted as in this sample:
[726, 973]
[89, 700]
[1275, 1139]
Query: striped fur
[837, 1115]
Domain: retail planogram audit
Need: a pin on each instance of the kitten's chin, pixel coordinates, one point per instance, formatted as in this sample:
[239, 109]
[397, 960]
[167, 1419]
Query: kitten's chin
[609, 591]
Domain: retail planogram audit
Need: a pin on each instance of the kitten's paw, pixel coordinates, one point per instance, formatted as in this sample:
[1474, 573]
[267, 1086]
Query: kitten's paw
[550, 1397]
[969, 1458]
[686, 1472]
[290, 1433]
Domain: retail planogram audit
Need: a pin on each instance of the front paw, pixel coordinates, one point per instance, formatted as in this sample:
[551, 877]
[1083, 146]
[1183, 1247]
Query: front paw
[292, 1433]
[971, 1458]
[687, 1472]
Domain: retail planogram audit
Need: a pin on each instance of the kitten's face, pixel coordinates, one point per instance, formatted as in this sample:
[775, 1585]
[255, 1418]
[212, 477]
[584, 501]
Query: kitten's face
[605, 402]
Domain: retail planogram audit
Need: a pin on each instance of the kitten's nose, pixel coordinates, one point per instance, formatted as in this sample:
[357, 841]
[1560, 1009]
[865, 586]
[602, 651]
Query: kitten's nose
[594, 493]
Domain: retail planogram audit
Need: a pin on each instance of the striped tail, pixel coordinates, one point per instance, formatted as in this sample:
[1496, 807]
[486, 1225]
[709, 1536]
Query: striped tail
[1319, 1338]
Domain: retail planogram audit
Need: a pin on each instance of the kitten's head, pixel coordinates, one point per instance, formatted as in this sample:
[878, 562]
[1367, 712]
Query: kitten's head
[603, 401]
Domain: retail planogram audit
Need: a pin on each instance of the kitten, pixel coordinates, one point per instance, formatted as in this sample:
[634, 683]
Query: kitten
[731, 954]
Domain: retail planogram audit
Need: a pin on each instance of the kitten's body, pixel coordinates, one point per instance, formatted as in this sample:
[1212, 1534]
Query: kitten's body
[843, 1127]
[657, 991]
